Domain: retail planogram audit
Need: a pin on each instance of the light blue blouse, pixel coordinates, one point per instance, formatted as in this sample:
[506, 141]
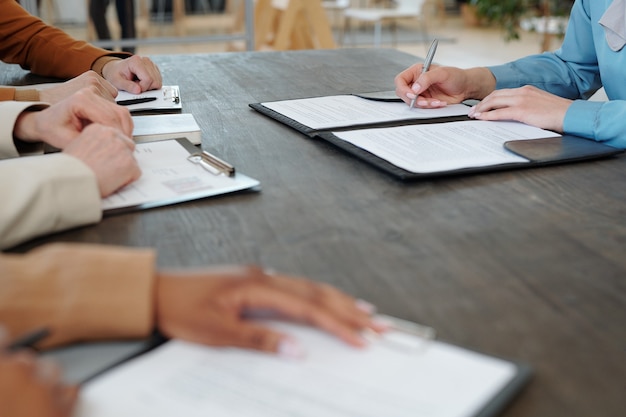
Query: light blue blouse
[585, 62]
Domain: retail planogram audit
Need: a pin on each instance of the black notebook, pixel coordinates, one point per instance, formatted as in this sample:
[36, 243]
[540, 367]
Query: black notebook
[417, 143]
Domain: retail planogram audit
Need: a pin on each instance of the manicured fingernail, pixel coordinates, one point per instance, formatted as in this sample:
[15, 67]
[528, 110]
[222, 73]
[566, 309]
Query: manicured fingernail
[382, 323]
[416, 87]
[289, 348]
[411, 95]
[370, 336]
[471, 111]
[365, 306]
[422, 103]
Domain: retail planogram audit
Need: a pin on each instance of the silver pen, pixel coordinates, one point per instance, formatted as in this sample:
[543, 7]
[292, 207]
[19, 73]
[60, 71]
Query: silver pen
[429, 60]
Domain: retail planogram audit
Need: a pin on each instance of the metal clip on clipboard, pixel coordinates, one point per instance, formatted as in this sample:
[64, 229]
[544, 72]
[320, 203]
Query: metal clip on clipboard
[171, 93]
[212, 163]
[403, 334]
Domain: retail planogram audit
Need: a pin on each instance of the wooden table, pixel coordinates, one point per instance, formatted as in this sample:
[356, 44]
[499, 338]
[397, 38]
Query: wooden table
[525, 264]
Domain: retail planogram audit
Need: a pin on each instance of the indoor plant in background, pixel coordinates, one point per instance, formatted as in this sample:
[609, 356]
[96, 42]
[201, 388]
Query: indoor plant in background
[548, 17]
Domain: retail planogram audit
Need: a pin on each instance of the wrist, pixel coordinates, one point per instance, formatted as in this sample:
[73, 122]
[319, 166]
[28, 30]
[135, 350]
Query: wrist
[480, 81]
[25, 127]
[103, 65]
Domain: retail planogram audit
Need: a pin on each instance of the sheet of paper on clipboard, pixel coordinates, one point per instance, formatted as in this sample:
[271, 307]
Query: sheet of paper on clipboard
[166, 99]
[175, 171]
[406, 373]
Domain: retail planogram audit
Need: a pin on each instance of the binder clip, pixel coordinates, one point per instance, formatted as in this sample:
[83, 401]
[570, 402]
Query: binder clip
[171, 93]
[212, 163]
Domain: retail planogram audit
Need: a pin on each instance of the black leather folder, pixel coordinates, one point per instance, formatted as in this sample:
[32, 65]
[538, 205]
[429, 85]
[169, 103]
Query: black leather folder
[536, 152]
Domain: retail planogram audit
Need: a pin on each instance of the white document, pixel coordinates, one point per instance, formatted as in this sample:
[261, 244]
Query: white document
[167, 98]
[348, 110]
[168, 177]
[333, 380]
[441, 147]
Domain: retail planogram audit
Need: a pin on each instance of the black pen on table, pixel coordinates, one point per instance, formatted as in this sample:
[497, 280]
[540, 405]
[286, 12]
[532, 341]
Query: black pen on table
[429, 60]
[136, 101]
[29, 340]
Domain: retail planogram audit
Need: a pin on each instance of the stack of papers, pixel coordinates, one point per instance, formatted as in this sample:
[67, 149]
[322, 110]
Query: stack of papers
[166, 126]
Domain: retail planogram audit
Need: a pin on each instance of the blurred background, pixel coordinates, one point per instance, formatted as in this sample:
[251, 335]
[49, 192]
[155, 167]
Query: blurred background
[471, 32]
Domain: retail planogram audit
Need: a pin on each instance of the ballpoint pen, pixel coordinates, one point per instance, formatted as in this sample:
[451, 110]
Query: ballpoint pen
[29, 340]
[429, 60]
[139, 100]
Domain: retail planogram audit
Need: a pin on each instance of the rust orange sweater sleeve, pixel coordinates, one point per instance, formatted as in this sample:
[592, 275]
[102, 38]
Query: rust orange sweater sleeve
[44, 50]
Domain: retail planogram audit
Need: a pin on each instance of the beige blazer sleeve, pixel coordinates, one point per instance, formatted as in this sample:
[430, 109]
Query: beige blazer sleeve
[44, 194]
[81, 292]
[9, 111]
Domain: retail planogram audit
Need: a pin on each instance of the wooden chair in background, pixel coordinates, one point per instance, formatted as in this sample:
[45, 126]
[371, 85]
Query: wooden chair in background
[378, 14]
[290, 24]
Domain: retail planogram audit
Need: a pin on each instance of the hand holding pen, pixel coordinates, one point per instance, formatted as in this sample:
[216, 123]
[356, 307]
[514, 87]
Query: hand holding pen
[427, 62]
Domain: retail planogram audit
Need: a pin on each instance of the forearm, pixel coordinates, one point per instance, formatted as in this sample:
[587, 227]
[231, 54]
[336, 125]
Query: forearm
[81, 292]
[44, 49]
[546, 72]
[571, 71]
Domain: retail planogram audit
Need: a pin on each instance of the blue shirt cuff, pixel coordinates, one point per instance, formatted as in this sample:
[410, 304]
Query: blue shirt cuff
[581, 118]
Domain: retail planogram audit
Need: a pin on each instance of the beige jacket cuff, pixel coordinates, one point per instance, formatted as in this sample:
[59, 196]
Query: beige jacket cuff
[27, 94]
[7, 93]
[19, 94]
[9, 112]
[45, 194]
[80, 292]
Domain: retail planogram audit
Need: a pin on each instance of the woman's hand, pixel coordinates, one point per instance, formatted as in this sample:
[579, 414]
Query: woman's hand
[526, 104]
[442, 85]
[213, 307]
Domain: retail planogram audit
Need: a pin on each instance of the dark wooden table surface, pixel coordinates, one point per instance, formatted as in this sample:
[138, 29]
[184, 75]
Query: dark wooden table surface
[527, 264]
